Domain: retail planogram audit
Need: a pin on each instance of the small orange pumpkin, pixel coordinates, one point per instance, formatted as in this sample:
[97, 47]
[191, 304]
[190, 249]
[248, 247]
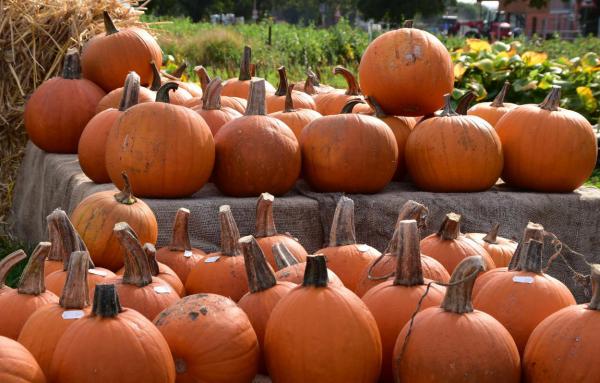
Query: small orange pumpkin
[296, 119]
[493, 111]
[289, 269]
[162, 271]
[17, 365]
[333, 102]
[241, 86]
[6, 264]
[499, 248]
[192, 88]
[215, 114]
[236, 103]
[312, 84]
[277, 101]
[114, 98]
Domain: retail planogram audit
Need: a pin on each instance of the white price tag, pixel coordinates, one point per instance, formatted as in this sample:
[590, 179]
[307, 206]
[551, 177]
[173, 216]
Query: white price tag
[97, 272]
[187, 253]
[212, 259]
[362, 248]
[522, 279]
[73, 314]
[162, 289]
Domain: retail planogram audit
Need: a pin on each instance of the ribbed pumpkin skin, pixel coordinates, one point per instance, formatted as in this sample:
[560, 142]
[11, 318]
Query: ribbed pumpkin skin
[21, 307]
[408, 71]
[500, 252]
[216, 118]
[401, 127]
[211, 340]
[106, 59]
[236, 88]
[297, 119]
[331, 103]
[565, 149]
[301, 101]
[563, 347]
[454, 154]
[451, 252]
[484, 277]
[520, 307]
[124, 349]
[364, 161]
[17, 365]
[348, 262]
[490, 113]
[55, 281]
[266, 245]
[113, 98]
[57, 112]
[92, 145]
[226, 277]
[167, 150]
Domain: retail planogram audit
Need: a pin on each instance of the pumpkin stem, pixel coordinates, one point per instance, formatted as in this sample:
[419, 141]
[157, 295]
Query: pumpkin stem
[450, 228]
[595, 276]
[202, 76]
[315, 274]
[72, 65]
[265, 225]
[229, 232]
[289, 102]
[8, 263]
[283, 256]
[109, 25]
[350, 104]
[125, 196]
[106, 301]
[492, 235]
[379, 113]
[309, 85]
[150, 252]
[448, 111]
[499, 100]
[342, 228]
[283, 82]
[458, 294]
[552, 100]
[532, 262]
[75, 294]
[353, 88]
[260, 274]
[162, 94]
[256, 99]
[408, 264]
[313, 77]
[131, 91]
[180, 238]
[532, 231]
[63, 237]
[177, 73]
[32, 279]
[137, 270]
[465, 102]
[407, 24]
[156, 78]
[245, 65]
[414, 210]
[211, 99]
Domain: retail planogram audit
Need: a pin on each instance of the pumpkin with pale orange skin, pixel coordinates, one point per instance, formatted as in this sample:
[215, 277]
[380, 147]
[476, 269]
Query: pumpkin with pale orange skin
[277, 101]
[499, 248]
[296, 119]
[493, 111]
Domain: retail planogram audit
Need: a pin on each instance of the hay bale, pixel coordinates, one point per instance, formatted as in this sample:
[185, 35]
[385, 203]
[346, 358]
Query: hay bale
[34, 37]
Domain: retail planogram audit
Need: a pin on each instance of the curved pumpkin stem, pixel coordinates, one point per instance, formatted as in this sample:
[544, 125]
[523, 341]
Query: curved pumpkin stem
[552, 101]
[131, 91]
[408, 24]
[245, 74]
[230, 234]
[342, 229]
[465, 102]
[315, 274]
[458, 294]
[72, 65]
[63, 237]
[180, 238]
[106, 302]
[408, 257]
[414, 210]
[125, 196]
[260, 275]
[32, 279]
[202, 76]
[156, 78]
[379, 112]
[265, 224]
[350, 104]
[532, 231]
[177, 73]
[499, 100]
[150, 252]
[162, 94]
[532, 262]
[353, 89]
[75, 294]
[211, 99]
[256, 101]
[137, 270]
[450, 228]
[109, 25]
[492, 235]
[289, 101]
[448, 111]
[8, 262]
[283, 82]
[595, 277]
[283, 256]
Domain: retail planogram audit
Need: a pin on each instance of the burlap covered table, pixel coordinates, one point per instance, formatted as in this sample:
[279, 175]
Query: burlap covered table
[48, 181]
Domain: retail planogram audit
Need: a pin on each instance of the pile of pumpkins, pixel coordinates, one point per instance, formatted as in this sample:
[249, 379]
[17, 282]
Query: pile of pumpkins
[99, 303]
[172, 136]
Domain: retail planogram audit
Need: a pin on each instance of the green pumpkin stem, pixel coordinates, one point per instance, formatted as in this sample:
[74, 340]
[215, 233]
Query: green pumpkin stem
[32, 278]
[595, 277]
[245, 73]
[458, 294]
[315, 273]
[180, 238]
[499, 100]
[342, 229]
[75, 294]
[353, 88]
[131, 91]
[447, 111]
[409, 271]
[137, 270]
[106, 302]
[350, 104]
[464, 103]
[156, 78]
[552, 100]
[282, 87]
[211, 99]
[125, 196]
[265, 224]
[8, 262]
[230, 234]
[283, 256]
[162, 95]
[72, 65]
[256, 100]
[109, 25]
[532, 231]
[450, 228]
[260, 275]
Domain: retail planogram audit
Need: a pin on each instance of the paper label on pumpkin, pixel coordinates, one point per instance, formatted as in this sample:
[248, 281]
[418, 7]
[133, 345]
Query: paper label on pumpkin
[73, 314]
[362, 248]
[187, 253]
[97, 272]
[162, 289]
[522, 279]
[212, 259]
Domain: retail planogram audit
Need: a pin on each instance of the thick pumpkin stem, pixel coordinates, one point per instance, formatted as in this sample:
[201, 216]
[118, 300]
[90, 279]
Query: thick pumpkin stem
[131, 91]
[180, 238]
[447, 111]
[202, 76]
[245, 73]
[379, 112]
[315, 274]
[230, 234]
[137, 270]
[265, 225]
[211, 99]
[283, 256]
[309, 86]
[595, 276]
[313, 77]
[353, 88]
[106, 301]
[32, 279]
[162, 94]
[289, 101]
[109, 25]
[72, 65]
[407, 24]
[552, 101]
[63, 237]
[156, 78]
[492, 235]
[350, 104]
[464, 103]
[342, 229]
[283, 82]
[532, 262]
[256, 100]
[260, 275]
[414, 210]
[408, 264]
[458, 294]
[75, 294]
[125, 196]
[8, 263]
[450, 228]
[177, 73]
[499, 100]
[532, 231]
[150, 252]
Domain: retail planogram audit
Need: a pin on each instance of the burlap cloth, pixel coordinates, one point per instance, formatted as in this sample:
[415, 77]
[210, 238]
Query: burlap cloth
[48, 181]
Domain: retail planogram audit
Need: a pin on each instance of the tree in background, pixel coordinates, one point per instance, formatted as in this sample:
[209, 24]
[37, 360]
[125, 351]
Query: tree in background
[398, 11]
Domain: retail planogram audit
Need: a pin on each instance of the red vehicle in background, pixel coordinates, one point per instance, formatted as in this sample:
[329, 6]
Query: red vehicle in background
[493, 29]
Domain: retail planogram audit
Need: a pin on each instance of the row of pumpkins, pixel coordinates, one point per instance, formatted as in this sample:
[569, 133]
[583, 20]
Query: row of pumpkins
[347, 314]
[172, 137]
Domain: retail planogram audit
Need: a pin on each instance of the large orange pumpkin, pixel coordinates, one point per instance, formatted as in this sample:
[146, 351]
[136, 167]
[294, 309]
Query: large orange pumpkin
[31, 294]
[17, 365]
[499, 248]
[454, 343]
[493, 111]
[241, 86]
[408, 71]
[296, 119]
[277, 101]
[95, 217]
[167, 150]
[453, 153]
[237, 103]
[58, 110]
[329, 103]
[565, 145]
[108, 57]
[289, 269]
[112, 344]
[222, 272]
[393, 302]
[522, 298]
[256, 153]
[215, 114]
[114, 98]
[211, 340]
[6, 264]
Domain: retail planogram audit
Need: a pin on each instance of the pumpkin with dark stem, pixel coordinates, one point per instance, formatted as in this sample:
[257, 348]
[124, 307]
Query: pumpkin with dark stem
[493, 111]
[17, 365]
[277, 101]
[212, 111]
[236, 103]
[312, 85]
[6, 264]
[289, 269]
[331, 103]
[241, 86]
[296, 119]
[499, 248]
[192, 88]
[113, 99]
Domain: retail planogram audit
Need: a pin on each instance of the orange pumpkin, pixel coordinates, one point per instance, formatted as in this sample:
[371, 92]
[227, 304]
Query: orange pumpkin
[345, 257]
[222, 272]
[493, 111]
[58, 110]
[342, 343]
[192, 88]
[449, 246]
[499, 248]
[6, 264]
[95, 217]
[162, 271]
[241, 86]
[454, 343]
[17, 365]
[212, 111]
[29, 296]
[330, 103]
[112, 344]
[393, 302]
[114, 98]
[277, 101]
[522, 298]
[453, 153]
[108, 57]
[289, 269]
[164, 163]
[179, 255]
[256, 153]
[236, 103]
[565, 145]
[296, 119]
[177, 95]
[211, 340]
[408, 71]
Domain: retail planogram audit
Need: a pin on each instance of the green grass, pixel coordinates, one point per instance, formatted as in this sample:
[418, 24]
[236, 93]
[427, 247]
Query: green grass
[7, 246]
[594, 179]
